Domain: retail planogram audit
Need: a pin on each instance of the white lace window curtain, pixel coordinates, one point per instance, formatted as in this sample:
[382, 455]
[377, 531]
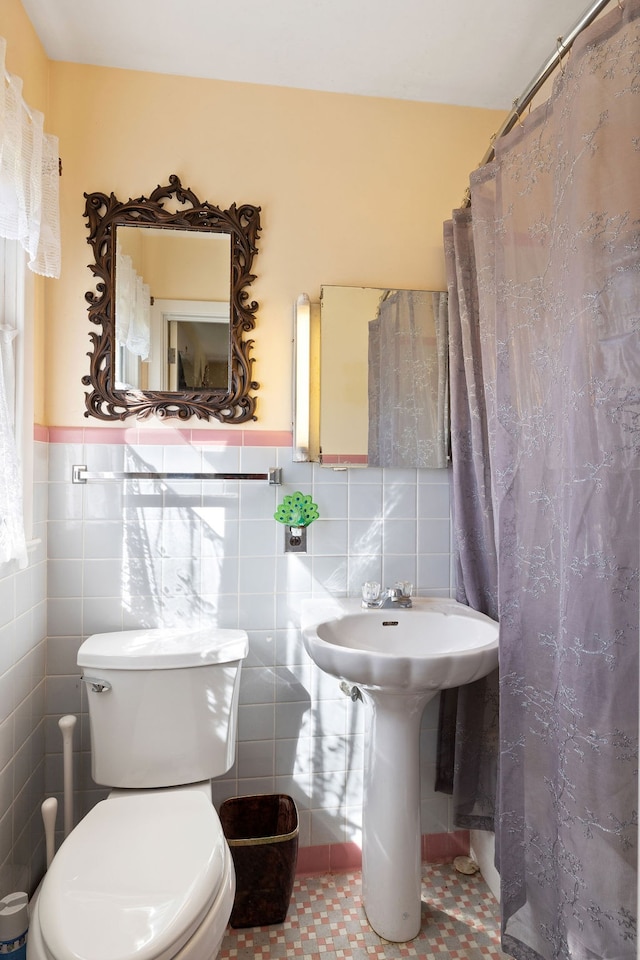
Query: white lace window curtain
[29, 216]
[29, 175]
[133, 308]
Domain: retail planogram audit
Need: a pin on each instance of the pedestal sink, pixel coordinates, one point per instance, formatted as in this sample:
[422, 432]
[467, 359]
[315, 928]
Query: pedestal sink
[399, 659]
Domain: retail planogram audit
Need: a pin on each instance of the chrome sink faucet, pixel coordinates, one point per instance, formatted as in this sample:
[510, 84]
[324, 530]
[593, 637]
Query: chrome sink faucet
[373, 598]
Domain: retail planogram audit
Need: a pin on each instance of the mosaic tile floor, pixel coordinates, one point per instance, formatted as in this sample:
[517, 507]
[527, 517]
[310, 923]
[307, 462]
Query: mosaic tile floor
[326, 920]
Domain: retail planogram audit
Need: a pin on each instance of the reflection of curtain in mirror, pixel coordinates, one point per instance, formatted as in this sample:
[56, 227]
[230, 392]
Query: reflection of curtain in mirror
[133, 308]
[408, 374]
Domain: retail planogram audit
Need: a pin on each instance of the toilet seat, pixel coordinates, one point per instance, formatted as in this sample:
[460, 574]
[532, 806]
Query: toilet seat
[136, 878]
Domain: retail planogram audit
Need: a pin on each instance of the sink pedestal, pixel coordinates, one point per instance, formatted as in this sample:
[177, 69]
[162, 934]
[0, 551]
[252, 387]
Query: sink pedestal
[399, 658]
[391, 834]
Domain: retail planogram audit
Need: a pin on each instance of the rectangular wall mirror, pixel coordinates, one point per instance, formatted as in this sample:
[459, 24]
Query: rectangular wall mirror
[384, 393]
[172, 303]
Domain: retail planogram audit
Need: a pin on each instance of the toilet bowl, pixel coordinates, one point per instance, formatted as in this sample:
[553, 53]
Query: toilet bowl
[147, 874]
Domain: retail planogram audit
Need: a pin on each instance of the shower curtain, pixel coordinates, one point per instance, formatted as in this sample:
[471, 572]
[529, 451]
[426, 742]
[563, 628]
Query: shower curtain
[468, 734]
[544, 287]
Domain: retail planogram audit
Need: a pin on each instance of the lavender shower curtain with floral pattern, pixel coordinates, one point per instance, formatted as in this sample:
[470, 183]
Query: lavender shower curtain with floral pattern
[544, 282]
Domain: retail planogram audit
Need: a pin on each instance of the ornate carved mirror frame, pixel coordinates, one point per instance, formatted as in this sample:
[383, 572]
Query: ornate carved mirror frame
[186, 212]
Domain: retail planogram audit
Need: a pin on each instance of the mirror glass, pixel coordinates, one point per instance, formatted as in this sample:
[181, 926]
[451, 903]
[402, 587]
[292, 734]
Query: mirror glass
[383, 377]
[172, 309]
[172, 303]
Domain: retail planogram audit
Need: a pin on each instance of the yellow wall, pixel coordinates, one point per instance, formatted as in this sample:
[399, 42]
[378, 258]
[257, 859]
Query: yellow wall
[25, 55]
[353, 190]
[344, 384]
[26, 59]
[179, 266]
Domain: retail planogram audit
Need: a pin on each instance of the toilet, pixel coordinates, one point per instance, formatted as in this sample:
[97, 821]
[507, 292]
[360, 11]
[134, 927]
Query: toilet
[147, 874]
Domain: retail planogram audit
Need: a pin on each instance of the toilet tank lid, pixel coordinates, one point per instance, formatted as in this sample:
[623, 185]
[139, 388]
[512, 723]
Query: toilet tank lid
[163, 648]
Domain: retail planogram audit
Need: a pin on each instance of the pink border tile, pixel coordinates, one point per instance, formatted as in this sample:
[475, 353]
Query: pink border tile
[165, 436]
[441, 847]
[344, 857]
[344, 458]
[267, 438]
[312, 860]
[66, 434]
[221, 438]
[40, 433]
[112, 435]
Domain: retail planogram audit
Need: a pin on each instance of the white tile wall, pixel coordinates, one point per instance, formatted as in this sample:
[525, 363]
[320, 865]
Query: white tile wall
[148, 554]
[123, 555]
[23, 702]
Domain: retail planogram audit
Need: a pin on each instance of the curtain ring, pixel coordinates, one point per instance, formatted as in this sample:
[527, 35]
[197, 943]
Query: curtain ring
[515, 108]
[560, 48]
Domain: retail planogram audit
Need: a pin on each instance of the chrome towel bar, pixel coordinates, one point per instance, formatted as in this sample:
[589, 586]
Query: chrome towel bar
[80, 474]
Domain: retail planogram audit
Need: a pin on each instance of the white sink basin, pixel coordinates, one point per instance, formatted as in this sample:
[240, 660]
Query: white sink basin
[400, 659]
[433, 645]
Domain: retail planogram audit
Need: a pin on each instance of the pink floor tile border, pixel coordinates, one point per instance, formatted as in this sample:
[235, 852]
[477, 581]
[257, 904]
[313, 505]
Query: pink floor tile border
[344, 857]
[443, 847]
[329, 858]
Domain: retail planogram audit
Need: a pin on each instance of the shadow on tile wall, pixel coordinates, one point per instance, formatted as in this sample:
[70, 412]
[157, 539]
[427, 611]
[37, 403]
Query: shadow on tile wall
[147, 553]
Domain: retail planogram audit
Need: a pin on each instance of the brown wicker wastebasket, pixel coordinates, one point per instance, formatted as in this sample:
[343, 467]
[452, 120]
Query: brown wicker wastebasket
[262, 833]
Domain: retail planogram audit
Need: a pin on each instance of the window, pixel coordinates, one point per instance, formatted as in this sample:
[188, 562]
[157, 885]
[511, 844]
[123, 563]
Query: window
[30, 226]
[16, 383]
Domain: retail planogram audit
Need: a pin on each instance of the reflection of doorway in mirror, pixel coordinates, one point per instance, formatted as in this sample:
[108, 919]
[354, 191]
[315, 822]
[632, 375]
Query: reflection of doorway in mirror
[190, 345]
[186, 275]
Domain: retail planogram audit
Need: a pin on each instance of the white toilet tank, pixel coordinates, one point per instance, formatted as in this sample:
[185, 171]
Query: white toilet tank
[163, 704]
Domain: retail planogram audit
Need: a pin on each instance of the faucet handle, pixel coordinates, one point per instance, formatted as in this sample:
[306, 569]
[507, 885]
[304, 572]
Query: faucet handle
[404, 588]
[370, 591]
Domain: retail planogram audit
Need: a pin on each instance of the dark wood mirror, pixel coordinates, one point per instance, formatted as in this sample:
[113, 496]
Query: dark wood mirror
[172, 305]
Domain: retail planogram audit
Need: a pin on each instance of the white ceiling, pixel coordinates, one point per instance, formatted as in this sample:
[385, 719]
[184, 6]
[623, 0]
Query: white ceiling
[470, 52]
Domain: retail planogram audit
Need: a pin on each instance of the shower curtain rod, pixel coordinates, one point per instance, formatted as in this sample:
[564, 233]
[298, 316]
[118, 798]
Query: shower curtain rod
[564, 44]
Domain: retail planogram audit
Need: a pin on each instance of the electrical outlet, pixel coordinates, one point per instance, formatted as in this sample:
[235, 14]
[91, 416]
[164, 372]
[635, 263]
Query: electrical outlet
[295, 539]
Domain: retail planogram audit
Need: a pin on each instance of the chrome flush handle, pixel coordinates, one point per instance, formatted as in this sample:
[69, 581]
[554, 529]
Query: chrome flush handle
[97, 686]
